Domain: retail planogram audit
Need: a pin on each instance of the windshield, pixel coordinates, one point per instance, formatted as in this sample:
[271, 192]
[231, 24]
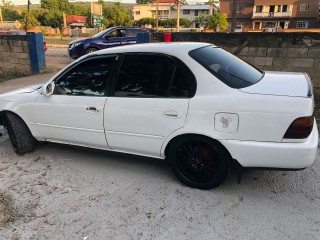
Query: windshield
[230, 69]
[101, 34]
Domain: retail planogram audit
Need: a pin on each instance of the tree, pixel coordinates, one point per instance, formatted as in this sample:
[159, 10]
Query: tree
[32, 22]
[56, 5]
[201, 19]
[117, 15]
[10, 14]
[48, 18]
[146, 21]
[184, 22]
[218, 20]
[101, 2]
[143, 1]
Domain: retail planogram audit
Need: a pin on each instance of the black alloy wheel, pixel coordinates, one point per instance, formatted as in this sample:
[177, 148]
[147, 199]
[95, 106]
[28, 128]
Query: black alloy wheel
[199, 162]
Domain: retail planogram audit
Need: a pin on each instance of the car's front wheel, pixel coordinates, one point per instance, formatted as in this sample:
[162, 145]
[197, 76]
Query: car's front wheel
[198, 161]
[20, 136]
[90, 50]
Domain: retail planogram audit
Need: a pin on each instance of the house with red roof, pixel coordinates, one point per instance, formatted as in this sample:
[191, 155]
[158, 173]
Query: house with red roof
[76, 21]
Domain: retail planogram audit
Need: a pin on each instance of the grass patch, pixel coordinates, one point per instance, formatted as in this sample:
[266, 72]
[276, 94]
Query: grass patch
[57, 40]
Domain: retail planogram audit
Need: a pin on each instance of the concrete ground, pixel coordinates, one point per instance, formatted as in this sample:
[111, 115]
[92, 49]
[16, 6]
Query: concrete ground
[65, 192]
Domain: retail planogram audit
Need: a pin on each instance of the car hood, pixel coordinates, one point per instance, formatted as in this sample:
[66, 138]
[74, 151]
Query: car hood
[282, 84]
[27, 89]
[78, 40]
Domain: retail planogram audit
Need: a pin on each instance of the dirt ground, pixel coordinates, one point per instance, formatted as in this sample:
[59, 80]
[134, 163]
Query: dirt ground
[64, 192]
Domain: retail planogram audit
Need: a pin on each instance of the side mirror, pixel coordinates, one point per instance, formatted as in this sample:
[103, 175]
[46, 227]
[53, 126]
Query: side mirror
[48, 88]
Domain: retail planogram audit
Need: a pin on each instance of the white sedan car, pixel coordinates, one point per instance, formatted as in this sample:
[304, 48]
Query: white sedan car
[194, 104]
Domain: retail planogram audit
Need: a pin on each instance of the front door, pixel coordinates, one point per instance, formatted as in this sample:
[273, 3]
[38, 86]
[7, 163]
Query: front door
[257, 25]
[74, 113]
[149, 101]
[114, 38]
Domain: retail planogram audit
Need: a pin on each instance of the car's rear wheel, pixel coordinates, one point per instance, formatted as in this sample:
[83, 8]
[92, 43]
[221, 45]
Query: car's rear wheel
[199, 162]
[20, 136]
[90, 50]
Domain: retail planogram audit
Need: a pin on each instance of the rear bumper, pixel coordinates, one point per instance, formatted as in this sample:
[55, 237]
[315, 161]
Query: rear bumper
[275, 155]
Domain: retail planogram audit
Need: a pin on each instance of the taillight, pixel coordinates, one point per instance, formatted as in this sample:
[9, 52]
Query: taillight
[300, 128]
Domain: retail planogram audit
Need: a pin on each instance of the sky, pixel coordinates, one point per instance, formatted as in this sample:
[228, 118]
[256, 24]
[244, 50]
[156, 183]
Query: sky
[24, 2]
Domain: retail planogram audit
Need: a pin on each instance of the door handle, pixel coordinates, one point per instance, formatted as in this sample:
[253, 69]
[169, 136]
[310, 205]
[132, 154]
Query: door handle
[171, 114]
[92, 109]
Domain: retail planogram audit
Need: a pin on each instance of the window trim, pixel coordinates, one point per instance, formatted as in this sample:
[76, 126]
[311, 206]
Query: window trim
[177, 61]
[260, 8]
[305, 22]
[240, 8]
[75, 64]
[186, 11]
[214, 73]
[304, 7]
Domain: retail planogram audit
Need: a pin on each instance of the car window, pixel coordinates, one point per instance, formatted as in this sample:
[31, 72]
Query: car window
[230, 69]
[154, 75]
[134, 32]
[143, 75]
[115, 33]
[183, 84]
[89, 78]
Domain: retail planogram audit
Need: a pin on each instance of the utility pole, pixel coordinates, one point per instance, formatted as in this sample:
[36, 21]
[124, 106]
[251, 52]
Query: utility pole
[178, 15]
[157, 21]
[1, 19]
[27, 17]
[234, 16]
[211, 8]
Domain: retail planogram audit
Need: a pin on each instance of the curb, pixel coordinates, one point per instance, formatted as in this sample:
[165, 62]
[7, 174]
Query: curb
[57, 46]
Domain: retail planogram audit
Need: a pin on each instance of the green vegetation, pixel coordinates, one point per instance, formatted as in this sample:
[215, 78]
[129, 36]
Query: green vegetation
[143, 1]
[217, 21]
[117, 15]
[184, 22]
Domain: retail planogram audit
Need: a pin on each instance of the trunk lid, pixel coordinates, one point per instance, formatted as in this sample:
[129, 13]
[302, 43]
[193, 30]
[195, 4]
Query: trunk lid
[289, 84]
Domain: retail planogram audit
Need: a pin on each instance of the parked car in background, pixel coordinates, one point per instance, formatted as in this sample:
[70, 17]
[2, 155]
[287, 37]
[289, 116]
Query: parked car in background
[111, 37]
[194, 104]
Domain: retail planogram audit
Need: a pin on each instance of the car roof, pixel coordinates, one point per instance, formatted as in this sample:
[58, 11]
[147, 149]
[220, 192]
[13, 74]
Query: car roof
[167, 48]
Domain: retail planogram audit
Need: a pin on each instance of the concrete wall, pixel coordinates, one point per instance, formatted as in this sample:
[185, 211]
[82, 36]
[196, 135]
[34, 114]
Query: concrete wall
[293, 52]
[14, 55]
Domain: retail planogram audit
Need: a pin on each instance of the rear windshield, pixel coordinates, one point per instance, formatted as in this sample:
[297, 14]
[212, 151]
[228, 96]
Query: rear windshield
[228, 68]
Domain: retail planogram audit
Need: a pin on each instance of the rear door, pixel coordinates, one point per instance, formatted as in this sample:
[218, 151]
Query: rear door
[131, 35]
[150, 101]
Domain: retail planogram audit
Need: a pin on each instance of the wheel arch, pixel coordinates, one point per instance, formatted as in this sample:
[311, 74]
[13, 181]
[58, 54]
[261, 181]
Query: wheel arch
[90, 46]
[3, 122]
[2, 117]
[167, 146]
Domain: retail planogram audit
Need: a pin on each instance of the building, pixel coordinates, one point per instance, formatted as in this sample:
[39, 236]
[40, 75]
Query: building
[273, 14]
[192, 12]
[75, 21]
[167, 9]
[244, 12]
[150, 10]
[283, 14]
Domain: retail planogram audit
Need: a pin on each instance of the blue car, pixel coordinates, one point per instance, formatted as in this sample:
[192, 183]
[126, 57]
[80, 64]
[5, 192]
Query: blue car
[111, 37]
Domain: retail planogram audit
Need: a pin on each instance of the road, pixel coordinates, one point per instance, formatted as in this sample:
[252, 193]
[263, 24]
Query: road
[57, 52]
[65, 192]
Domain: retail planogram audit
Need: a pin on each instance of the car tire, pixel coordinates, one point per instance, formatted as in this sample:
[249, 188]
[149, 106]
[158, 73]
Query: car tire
[90, 50]
[199, 162]
[20, 136]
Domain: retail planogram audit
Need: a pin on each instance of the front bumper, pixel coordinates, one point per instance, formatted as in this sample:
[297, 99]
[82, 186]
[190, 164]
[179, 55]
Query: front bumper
[273, 154]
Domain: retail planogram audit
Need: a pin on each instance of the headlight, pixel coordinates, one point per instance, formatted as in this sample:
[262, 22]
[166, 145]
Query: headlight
[75, 44]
